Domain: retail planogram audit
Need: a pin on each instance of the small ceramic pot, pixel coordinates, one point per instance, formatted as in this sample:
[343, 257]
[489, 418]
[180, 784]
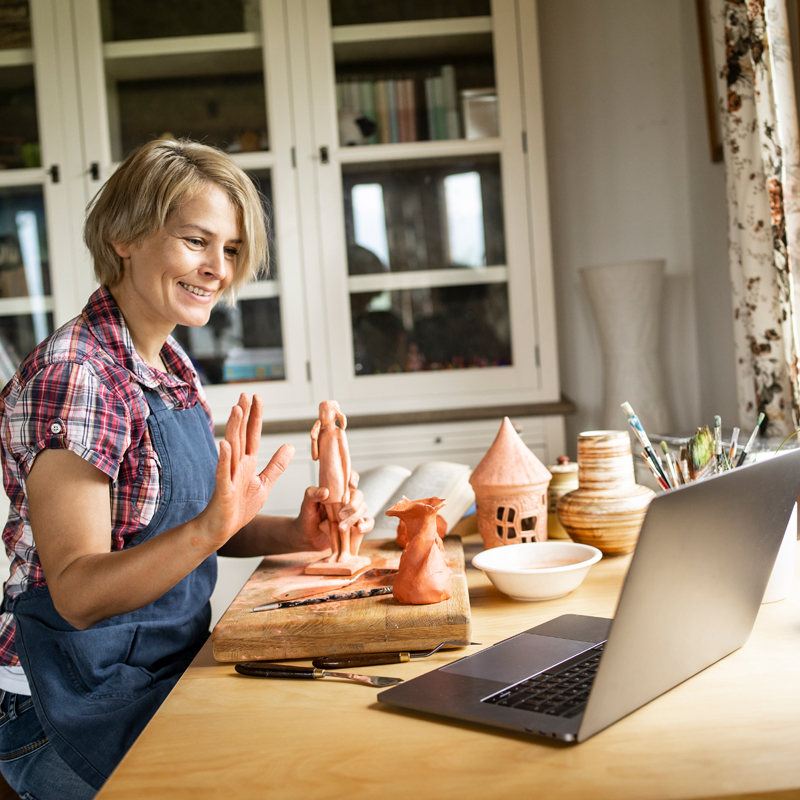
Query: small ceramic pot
[608, 507]
[565, 479]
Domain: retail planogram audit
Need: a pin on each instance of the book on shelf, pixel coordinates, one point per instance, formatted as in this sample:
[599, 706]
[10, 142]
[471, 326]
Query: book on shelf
[366, 91]
[394, 122]
[382, 112]
[384, 486]
[403, 106]
[450, 102]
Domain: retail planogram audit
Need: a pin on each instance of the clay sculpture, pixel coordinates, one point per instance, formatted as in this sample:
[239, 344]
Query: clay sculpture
[423, 576]
[329, 447]
[402, 532]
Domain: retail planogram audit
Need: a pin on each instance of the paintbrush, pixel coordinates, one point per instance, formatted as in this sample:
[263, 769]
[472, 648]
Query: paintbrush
[636, 425]
[673, 472]
[656, 474]
[750, 441]
[327, 598]
[700, 452]
[734, 443]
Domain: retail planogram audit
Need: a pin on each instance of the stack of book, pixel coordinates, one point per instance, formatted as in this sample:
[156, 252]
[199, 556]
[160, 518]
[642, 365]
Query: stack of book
[405, 108]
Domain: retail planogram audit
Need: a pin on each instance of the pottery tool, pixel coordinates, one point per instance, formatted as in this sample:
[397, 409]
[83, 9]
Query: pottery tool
[260, 670]
[633, 421]
[685, 471]
[320, 588]
[700, 450]
[671, 468]
[750, 441]
[656, 474]
[371, 659]
[327, 598]
[734, 443]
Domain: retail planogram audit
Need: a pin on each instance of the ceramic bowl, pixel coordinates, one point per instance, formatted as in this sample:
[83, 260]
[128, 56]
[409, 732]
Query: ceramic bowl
[537, 570]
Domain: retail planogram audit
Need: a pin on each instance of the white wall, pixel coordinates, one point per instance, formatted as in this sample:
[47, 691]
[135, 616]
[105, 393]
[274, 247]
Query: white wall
[630, 177]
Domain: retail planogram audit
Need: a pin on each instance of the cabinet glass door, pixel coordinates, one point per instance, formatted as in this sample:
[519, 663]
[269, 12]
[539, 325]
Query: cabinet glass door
[427, 225]
[214, 72]
[26, 303]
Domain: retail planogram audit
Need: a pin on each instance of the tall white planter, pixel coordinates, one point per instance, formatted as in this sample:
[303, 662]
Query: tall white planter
[626, 300]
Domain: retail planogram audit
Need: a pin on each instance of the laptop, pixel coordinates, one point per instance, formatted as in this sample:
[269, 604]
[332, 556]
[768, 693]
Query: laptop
[691, 595]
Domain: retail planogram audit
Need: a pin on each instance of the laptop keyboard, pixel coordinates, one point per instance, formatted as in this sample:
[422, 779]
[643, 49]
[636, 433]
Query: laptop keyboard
[561, 691]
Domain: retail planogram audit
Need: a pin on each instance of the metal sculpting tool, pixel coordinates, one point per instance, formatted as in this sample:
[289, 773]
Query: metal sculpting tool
[321, 588]
[257, 669]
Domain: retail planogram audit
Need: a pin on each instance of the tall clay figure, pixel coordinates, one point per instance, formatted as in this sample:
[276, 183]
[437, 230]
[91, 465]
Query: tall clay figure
[329, 447]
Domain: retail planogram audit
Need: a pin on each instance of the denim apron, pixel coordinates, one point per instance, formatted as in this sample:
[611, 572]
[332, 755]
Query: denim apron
[95, 690]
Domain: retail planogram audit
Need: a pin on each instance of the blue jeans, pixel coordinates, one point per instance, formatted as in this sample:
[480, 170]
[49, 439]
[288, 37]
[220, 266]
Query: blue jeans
[28, 761]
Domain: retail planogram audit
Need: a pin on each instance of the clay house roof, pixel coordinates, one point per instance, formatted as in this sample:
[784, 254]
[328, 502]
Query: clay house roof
[509, 462]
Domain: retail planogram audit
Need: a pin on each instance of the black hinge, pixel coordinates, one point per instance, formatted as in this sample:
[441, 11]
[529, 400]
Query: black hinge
[536, 353]
[55, 174]
[294, 158]
[94, 170]
[524, 141]
[323, 155]
[308, 371]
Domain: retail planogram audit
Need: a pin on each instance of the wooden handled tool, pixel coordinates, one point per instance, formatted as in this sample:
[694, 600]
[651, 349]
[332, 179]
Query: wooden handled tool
[371, 659]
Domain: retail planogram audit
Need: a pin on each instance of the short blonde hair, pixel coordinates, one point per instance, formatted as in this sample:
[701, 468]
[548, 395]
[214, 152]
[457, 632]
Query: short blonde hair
[150, 184]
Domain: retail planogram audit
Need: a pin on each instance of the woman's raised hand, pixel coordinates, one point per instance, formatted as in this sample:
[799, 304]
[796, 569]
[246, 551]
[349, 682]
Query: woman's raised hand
[240, 491]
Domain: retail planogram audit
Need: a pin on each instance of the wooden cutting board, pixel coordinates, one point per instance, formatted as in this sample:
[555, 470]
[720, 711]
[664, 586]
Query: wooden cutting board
[367, 625]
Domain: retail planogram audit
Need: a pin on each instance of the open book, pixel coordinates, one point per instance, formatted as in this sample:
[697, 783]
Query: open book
[385, 486]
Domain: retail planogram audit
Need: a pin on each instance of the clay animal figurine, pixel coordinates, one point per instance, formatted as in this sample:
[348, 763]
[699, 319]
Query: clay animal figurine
[423, 576]
[329, 447]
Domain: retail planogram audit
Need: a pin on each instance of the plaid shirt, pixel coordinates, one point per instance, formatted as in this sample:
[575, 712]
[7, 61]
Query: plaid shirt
[81, 390]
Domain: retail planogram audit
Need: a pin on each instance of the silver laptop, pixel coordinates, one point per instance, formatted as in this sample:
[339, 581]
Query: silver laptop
[690, 598]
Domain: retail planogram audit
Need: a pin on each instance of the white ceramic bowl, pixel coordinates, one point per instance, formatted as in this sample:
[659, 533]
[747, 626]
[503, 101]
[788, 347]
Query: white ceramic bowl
[537, 570]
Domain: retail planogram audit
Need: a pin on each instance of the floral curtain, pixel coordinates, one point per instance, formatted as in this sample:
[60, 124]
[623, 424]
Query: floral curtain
[760, 141]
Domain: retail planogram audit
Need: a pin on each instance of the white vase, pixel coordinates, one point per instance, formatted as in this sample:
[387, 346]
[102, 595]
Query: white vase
[626, 300]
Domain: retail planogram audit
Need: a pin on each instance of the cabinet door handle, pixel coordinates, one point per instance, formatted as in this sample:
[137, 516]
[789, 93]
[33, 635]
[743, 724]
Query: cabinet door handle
[55, 174]
[323, 155]
[94, 170]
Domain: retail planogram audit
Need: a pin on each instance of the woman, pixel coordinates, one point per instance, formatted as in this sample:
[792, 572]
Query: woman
[119, 501]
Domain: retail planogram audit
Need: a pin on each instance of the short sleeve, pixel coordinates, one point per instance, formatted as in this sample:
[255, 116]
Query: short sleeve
[66, 407]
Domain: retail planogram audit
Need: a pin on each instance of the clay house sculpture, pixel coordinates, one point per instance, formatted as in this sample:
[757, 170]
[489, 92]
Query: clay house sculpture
[510, 486]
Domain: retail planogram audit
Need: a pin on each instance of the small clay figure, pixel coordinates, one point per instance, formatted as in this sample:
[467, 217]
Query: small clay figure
[423, 576]
[329, 447]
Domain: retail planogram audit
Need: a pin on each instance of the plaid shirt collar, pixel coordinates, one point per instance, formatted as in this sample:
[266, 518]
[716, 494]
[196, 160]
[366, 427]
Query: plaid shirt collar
[105, 320]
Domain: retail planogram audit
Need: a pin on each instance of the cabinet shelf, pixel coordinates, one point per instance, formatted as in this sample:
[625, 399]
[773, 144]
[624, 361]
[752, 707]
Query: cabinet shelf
[444, 148]
[259, 290]
[22, 177]
[425, 279]
[415, 40]
[183, 56]
[16, 57]
[13, 306]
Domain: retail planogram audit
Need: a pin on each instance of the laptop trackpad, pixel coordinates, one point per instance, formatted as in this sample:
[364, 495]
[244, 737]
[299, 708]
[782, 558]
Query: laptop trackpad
[517, 658]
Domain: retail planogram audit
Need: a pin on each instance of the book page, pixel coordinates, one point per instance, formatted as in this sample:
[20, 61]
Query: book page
[379, 484]
[444, 479]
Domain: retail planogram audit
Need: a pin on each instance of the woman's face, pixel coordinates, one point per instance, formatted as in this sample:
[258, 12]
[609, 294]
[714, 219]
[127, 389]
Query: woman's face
[176, 276]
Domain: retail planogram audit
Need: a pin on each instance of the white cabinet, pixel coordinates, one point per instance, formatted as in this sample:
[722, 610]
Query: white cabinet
[412, 270]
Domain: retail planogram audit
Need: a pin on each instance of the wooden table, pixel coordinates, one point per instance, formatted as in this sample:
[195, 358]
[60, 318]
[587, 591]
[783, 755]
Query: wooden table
[733, 730]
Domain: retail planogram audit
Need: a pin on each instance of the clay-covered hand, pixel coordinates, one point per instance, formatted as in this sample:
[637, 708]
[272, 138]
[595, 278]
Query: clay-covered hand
[355, 514]
[310, 525]
[240, 490]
